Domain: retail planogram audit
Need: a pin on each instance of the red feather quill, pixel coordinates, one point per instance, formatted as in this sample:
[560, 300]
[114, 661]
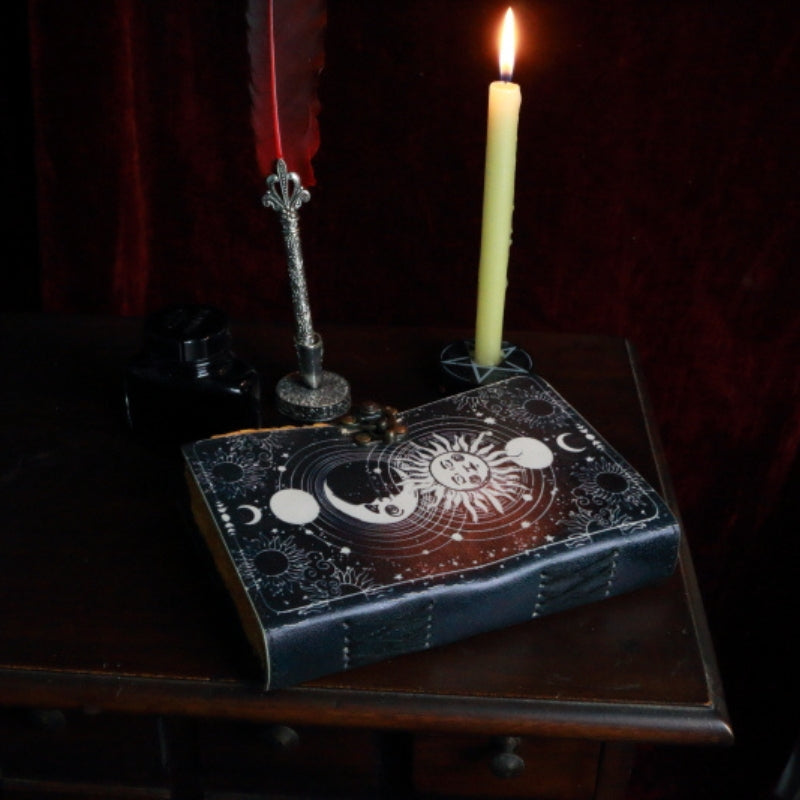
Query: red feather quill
[286, 44]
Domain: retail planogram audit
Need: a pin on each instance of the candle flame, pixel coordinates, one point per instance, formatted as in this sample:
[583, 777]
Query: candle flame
[508, 46]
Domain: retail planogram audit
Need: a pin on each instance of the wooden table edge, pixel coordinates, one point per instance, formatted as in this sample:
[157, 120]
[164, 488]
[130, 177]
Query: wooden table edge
[374, 709]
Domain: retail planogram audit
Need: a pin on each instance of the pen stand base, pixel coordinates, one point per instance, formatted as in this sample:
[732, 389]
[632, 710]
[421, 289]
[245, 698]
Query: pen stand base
[459, 372]
[328, 401]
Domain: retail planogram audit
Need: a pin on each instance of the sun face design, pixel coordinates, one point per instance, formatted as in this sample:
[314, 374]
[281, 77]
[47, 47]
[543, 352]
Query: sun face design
[459, 471]
[462, 472]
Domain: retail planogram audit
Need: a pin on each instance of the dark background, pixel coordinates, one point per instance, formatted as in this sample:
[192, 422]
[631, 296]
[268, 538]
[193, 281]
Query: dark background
[656, 200]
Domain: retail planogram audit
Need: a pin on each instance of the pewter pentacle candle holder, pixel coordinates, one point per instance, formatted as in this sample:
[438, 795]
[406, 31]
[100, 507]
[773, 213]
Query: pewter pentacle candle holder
[460, 372]
[311, 394]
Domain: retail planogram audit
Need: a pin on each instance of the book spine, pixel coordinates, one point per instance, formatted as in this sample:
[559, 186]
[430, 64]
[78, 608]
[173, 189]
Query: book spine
[393, 624]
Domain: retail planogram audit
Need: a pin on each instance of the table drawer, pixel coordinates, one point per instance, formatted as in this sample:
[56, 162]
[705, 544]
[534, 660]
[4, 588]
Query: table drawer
[544, 769]
[302, 761]
[53, 747]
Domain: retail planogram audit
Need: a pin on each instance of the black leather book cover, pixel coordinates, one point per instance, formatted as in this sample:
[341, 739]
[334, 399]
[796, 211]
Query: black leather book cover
[501, 504]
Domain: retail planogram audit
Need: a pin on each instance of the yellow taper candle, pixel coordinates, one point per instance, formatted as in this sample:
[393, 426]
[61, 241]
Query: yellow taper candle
[498, 203]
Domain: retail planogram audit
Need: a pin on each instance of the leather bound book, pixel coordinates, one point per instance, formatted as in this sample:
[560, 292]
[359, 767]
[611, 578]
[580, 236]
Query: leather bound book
[499, 505]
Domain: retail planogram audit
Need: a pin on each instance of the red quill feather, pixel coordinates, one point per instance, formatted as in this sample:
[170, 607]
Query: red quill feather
[285, 39]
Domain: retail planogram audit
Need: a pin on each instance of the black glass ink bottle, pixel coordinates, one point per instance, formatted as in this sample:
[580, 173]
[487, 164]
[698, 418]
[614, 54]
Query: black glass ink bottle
[187, 384]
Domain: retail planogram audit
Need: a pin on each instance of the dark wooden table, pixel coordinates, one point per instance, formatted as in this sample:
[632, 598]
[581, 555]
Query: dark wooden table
[123, 670]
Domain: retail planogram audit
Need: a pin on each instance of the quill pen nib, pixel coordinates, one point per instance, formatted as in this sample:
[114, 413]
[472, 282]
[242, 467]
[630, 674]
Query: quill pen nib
[311, 394]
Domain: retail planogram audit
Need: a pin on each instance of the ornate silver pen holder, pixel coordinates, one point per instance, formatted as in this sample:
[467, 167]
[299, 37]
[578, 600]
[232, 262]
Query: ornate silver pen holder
[311, 394]
[459, 371]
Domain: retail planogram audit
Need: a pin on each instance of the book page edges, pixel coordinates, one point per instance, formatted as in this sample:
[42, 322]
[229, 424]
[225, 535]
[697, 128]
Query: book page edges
[222, 558]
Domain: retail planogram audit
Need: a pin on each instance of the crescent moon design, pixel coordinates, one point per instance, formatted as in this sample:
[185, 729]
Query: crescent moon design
[383, 511]
[564, 446]
[256, 514]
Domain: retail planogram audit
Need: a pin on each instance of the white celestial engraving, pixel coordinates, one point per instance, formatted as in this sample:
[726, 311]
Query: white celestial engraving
[382, 511]
[294, 506]
[255, 512]
[463, 471]
[561, 442]
[459, 470]
[529, 453]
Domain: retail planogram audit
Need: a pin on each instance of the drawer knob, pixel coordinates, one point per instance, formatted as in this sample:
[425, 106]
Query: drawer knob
[281, 737]
[51, 720]
[506, 761]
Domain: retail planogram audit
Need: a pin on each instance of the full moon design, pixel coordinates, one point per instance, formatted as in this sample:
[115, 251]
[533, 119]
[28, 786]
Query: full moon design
[529, 453]
[294, 506]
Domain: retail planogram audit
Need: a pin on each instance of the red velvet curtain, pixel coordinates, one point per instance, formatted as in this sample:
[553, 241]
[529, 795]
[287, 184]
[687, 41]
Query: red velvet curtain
[656, 199]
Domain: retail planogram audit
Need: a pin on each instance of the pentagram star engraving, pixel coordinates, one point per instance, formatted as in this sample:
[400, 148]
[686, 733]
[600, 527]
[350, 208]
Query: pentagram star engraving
[481, 374]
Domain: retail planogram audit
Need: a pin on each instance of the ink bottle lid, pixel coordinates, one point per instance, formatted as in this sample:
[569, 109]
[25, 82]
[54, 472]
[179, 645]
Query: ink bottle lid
[187, 383]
